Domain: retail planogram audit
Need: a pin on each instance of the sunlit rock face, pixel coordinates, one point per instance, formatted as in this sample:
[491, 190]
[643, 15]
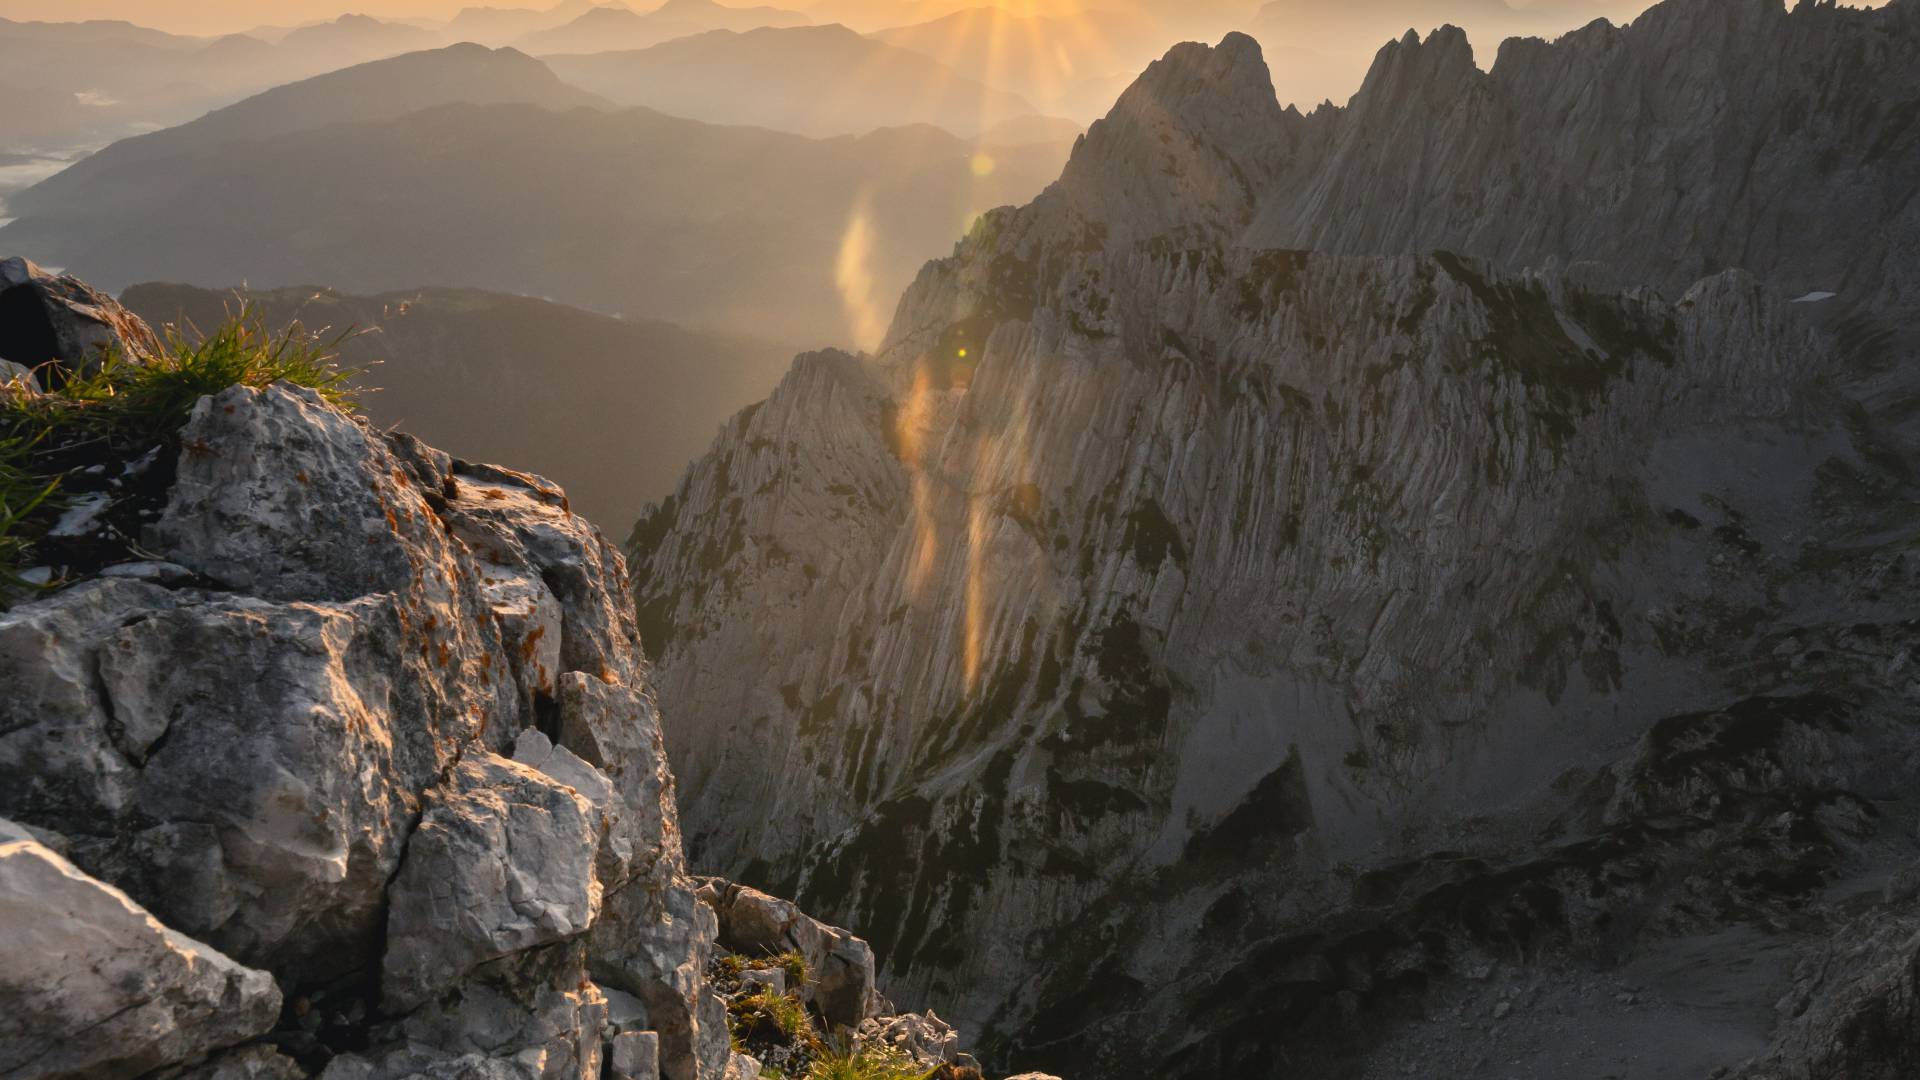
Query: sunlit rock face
[1179, 652]
[273, 748]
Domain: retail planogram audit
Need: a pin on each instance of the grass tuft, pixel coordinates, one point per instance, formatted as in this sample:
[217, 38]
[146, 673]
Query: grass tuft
[102, 420]
[22, 492]
[867, 1063]
[126, 399]
[795, 967]
[783, 1012]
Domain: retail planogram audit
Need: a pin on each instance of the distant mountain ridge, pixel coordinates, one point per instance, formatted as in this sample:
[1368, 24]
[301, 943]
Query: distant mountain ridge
[378, 90]
[605, 29]
[630, 212]
[814, 80]
[470, 369]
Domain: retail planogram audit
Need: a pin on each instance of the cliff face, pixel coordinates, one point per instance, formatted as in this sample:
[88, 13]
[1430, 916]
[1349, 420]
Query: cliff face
[1253, 640]
[1706, 134]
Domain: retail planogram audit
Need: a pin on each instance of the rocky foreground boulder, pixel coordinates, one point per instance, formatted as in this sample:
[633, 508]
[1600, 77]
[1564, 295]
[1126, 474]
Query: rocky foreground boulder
[347, 765]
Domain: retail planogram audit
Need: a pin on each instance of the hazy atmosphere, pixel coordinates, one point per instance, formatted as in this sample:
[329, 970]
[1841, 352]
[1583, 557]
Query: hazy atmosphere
[959, 540]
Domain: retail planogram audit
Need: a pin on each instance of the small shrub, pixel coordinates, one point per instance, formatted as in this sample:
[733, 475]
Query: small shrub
[867, 1063]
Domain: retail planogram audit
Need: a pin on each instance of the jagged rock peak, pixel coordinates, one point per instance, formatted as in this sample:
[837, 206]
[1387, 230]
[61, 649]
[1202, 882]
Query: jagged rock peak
[1188, 145]
[1411, 70]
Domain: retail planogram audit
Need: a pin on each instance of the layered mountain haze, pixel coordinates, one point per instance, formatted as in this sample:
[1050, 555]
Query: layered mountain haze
[1380, 659]
[359, 38]
[614, 27]
[499, 26]
[630, 213]
[814, 80]
[467, 370]
[379, 90]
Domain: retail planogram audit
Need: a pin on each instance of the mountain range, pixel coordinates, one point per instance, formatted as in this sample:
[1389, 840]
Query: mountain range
[631, 212]
[813, 80]
[614, 27]
[1379, 591]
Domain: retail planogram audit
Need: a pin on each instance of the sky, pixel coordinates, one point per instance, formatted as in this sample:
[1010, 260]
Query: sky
[228, 16]
[220, 16]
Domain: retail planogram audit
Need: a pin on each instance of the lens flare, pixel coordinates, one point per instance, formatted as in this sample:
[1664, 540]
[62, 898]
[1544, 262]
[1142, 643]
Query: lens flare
[853, 275]
[910, 427]
[976, 580]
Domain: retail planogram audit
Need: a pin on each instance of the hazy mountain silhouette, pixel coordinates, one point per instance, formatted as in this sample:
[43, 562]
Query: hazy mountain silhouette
[474, 372]
[633, 213]
[90, 30]
[816, 80]
[356, 38]
[501, 26]
[125, 78]
[378, 90]
[608, 28]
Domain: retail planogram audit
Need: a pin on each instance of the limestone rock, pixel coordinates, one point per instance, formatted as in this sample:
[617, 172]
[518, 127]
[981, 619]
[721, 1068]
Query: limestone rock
[772, 979]
[615, 728]
[654, 943]
[533, 1011]
[923, 1036]
[839, 965]
[91, 984]
[60, 326]
[617, 839]
[634, 1055]
[241, 1063]
[1854, 1008]
[285, 498]
[501, 862]
[338, 640]
[57, 746]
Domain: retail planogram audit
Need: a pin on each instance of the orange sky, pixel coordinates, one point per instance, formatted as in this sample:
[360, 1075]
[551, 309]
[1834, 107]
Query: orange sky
[217, 16]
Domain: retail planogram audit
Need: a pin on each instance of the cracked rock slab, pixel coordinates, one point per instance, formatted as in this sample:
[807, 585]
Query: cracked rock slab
[503, 861]
[92, 984]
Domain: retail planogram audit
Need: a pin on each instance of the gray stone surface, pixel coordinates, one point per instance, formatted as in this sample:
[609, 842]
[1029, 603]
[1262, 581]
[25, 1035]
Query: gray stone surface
[501, 862]
[311, 766]
[840, 971]
[257, 1062]
[57, 324]
[924, 1037]
[91, 984]
[634, 1055]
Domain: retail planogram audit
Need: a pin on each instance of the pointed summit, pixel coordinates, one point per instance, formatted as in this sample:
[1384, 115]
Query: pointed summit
[1412, 72]
[1186, 147]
